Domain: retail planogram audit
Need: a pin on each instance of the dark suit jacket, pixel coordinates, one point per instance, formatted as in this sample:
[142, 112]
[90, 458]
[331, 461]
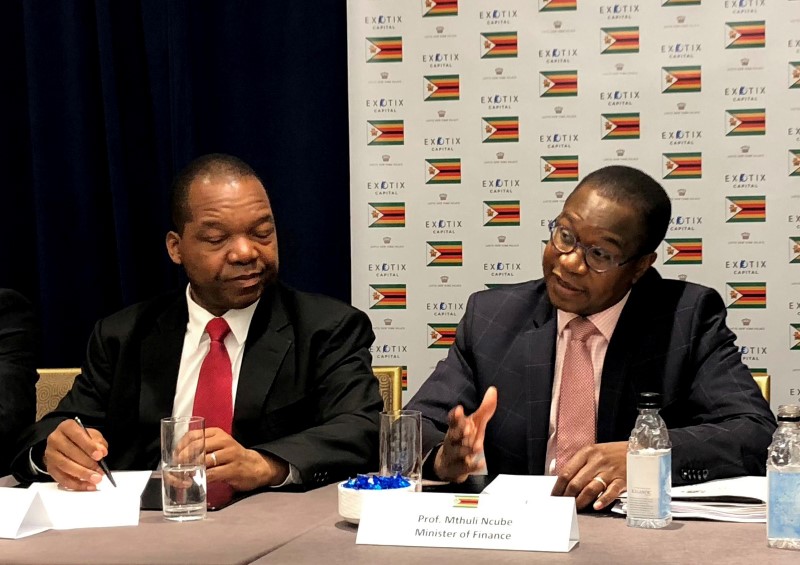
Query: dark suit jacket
[17, 372]
[306, 391]
[671, 338]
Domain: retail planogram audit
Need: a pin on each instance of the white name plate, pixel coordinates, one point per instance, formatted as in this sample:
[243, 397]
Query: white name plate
[482, 521]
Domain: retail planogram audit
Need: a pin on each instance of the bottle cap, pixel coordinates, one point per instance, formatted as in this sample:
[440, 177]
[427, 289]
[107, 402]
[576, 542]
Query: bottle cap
[649, 400]
[789, 413]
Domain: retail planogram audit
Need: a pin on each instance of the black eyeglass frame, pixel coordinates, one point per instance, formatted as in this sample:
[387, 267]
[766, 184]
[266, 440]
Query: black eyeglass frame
[586, 249]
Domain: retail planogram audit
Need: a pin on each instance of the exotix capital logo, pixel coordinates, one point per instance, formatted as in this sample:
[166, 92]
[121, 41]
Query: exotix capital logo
[620, 11]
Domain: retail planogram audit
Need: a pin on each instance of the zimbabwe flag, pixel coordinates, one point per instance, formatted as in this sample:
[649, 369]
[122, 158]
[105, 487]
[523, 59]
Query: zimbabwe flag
[558, 5]
[501, 213]
[387, 297]
[462, 501]
[747, 295]
[683, 251]
[680, 2]
[682, 165]
[441, 336]
[385, 132]
[558, 168]
[615, 40]
[440, 88]
[387, 214]
[501, 129]
[434, 8]
[681, 79]
[445, 253]
[620, 126]
[745, 35]
[498, 45]
[794, 74]
[746, 209]
[405, 376]
[558, 83]
[746, 122]
[794, 162]
[443, 171]
[384, 49]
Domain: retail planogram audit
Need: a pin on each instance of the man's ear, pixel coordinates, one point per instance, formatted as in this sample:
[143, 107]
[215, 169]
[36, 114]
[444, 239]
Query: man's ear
[643, 264]
[174, 247]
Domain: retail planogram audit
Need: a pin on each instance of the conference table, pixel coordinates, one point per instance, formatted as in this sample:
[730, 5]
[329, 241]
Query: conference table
[297, 528]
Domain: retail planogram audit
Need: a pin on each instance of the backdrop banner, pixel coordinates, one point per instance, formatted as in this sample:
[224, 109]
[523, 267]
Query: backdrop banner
[470, 124]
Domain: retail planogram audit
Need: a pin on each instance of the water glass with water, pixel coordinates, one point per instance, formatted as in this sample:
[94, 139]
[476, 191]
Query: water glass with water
[183, 468]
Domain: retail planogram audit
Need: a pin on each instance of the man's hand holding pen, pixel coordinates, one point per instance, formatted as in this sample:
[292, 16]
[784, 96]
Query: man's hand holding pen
[73, 454]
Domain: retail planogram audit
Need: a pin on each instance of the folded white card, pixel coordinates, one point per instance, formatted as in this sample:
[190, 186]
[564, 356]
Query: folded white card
[23, 513]
[46, 506]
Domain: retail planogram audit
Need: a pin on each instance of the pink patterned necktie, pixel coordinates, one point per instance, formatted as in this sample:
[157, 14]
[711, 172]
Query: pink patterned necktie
[577, 413]
[213, 398]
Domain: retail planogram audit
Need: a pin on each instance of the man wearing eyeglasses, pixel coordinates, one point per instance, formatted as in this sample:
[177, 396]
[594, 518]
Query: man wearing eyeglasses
[544, 375]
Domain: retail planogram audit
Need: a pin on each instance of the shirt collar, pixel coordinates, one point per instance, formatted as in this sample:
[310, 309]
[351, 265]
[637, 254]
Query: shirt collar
[604, 321]
[238, 320]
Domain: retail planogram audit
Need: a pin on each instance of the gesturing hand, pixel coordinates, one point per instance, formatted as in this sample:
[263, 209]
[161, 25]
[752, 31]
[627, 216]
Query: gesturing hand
[460, 454]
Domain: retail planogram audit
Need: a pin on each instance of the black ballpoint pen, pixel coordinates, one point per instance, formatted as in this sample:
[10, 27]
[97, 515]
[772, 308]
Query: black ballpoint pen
[102, 463]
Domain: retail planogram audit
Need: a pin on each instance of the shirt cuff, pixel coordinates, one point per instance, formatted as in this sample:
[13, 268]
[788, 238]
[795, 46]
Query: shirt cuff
[35, 468]
[293, 478]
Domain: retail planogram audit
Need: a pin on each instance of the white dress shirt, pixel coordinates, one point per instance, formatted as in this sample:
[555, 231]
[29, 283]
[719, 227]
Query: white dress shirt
[196, 344]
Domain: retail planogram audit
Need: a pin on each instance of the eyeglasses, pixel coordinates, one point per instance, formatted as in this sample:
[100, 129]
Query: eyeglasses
[596, 258]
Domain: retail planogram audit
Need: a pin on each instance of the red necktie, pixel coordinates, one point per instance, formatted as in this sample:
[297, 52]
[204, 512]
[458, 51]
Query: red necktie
[213, 398]
[577, 414]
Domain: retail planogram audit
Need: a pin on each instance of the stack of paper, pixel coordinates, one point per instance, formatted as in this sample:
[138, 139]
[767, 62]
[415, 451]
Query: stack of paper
[742, 499]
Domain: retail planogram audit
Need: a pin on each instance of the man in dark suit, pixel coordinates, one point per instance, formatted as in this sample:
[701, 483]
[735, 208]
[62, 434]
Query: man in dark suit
[17, 372]
[517, 361]
[298, 402]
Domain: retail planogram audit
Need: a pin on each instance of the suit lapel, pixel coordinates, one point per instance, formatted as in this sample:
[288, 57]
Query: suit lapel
[268, 340]
[615, 379]
[539, 372]
[161, 358]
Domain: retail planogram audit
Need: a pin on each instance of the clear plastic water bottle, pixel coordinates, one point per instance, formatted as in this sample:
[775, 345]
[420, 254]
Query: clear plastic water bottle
[783, 476]
[649, 467]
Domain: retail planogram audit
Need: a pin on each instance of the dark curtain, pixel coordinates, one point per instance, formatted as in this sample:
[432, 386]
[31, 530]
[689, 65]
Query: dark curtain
[104, 101]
